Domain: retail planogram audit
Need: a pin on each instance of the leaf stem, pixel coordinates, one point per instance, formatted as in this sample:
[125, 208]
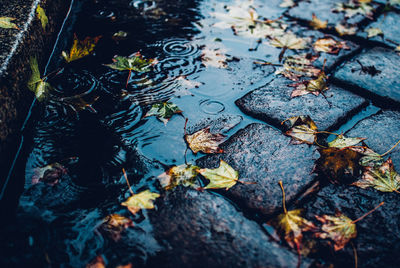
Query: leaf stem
[391, 149]
[366, 214]
[283, 197]
[355, 255]
[129, 77]
[127, 181]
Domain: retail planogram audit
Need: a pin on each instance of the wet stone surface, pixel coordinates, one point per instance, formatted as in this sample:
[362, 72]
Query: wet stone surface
[264, 156]
[382, 132]
[378, 235]
[388, 23]
[217, 124]
[202, 229]
[273, 104]
[379, 75]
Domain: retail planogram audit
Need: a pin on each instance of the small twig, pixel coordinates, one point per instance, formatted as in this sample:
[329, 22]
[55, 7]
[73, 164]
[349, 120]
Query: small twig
[366, 214]
[391, 149]
[127, 181]
[283, 197]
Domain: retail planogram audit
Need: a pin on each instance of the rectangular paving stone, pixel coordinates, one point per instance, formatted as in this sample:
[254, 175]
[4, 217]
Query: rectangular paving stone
[272, 104]
[388, 23]
[201, 229]
[382, 132]
[264, 156]
[378, 234]
[384, 82]
[323, 10]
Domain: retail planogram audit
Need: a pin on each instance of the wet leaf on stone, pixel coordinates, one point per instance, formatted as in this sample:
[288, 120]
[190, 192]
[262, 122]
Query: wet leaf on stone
[142, 200]
[205, 141]
[317, 23]
[98, 262]
[339, 228]
[382, 178]
[341, 142]
[288, 41]
[115, 224]
[223, 177]
[297, 66]
[179, 175]
[41, 14]
[345, 30]
[374, 32]
[329, 45]
[354, 7]
[80, 48]
[314, 86]
[302, 129]
[291, 225]
[163, 111]
[49, 174]
[37, 84]
[369, 158]
[6, 23]
[339, 165]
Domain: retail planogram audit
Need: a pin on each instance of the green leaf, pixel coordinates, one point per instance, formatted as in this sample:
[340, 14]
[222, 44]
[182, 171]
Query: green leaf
[164, 111]
[41, 14]
[222, 177]
[142, 200]
[6, 22]
[36, 83]
[81, 49]
[342, 142]
[179, 175]
[133, 63]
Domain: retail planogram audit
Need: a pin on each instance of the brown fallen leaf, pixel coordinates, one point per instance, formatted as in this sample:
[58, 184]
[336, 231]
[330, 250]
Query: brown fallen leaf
[339, 165]
[115, 224]
[345, 30]
[288, 41]
[302, 129]
[317, 23]
[342, 142]
[80, 48]
[297, 66]
[49, 174]
[339, 228]
[142, 200]
[205, 141]
[98, 262]
[314, 86]
[330, 45]
[382, 178]
[179, 175]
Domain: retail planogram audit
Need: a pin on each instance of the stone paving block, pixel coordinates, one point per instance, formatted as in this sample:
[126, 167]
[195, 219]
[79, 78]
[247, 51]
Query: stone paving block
[272, 104]
[323, 10]
[201, 229]
[382, 132]
[384, 83]
[217, 124]
[264, 155]
[378, 235]
[388, 23]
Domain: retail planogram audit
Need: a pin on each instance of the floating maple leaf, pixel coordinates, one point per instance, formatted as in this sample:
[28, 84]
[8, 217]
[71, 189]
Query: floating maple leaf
[142, 200]
[383, 178]
[317, 23]
[302, 129]
[37, 84]
[339, 228]
[315, 86]
[339, 165]
[41, 14]
[135, 63]
[6, 22]
[341, 142]
[179, 175]
[374, 32]
[329, 45]
[288, 41]
[345, 30]
[81, 49]
[115, 224]
[205, 141]
[163, 111]
[297, 66]
[223, 177]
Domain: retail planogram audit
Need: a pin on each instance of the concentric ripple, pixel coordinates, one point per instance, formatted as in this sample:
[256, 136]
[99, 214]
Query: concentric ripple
[180, 48]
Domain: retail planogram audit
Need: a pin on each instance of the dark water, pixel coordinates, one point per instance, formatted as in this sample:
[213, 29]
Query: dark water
[93, 124]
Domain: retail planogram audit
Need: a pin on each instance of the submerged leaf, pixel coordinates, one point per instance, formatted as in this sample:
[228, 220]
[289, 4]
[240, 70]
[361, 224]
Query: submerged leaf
[214, 58]
[317, 23]
[179, 175]
[302, 129]
[222, 177]
[341, 142]
[6, 22]
[49, 174]
[205, 141]
[329, 45]
[163, 111]
[81, 49]
[383, 178]
[115, 224]
[340, 229]
[142, 200]
[41, 14]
